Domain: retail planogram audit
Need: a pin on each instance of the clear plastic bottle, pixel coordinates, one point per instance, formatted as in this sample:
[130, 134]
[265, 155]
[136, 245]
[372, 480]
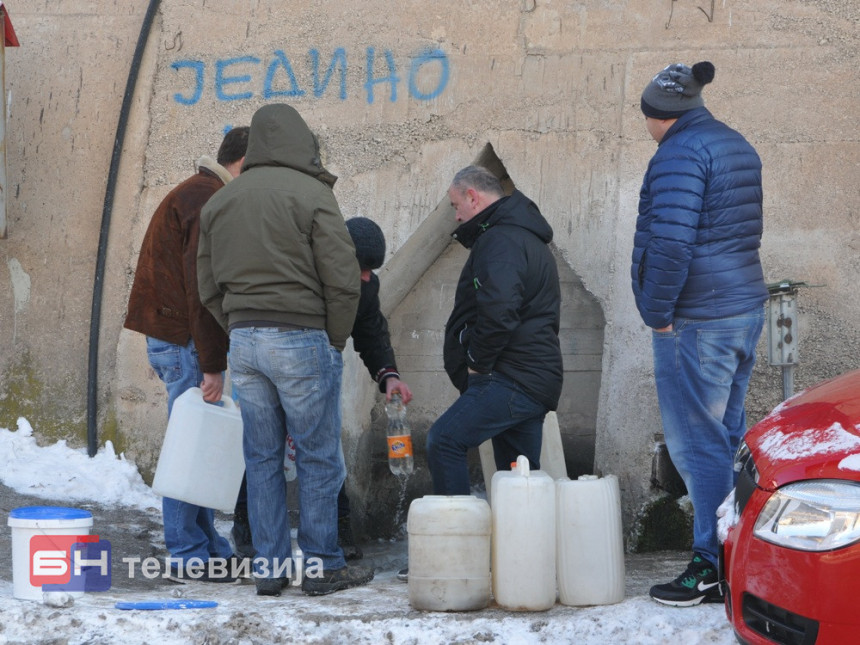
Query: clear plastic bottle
[399, 437]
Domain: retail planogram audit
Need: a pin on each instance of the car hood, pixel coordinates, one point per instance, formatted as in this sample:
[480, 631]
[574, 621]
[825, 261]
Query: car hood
[813, 435]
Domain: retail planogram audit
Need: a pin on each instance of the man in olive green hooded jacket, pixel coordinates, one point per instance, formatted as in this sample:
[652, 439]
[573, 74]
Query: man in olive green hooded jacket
[277, 267]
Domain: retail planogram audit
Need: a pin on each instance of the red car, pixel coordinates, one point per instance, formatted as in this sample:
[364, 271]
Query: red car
[791, 551]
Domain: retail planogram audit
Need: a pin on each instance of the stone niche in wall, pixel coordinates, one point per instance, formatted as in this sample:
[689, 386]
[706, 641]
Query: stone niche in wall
[417, 308]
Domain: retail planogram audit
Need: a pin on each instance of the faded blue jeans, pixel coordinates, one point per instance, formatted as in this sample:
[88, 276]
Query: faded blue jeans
[189, 530]
[290, 379]
[702, 369]
[493, 407]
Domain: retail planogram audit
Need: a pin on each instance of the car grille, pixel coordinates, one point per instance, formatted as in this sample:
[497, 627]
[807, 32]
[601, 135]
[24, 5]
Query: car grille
[777, 624]
[745, 485]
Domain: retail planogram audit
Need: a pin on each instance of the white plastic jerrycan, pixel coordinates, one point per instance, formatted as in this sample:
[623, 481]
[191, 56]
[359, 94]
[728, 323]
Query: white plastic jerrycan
[449, 553]
[201, 459]
[523, 538]
[590, 541]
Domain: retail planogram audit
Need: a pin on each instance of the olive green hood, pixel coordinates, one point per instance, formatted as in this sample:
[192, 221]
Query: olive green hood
[279, 136]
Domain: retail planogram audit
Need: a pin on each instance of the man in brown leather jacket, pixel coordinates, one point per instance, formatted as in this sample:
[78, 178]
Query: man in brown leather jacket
[186, 346]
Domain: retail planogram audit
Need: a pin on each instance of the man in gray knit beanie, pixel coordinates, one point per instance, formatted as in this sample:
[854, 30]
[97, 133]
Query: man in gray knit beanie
[676, 89]
[699, 286]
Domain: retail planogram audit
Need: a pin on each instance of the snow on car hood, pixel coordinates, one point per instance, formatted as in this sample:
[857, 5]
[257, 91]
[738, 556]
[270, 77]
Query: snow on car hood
[813, 435]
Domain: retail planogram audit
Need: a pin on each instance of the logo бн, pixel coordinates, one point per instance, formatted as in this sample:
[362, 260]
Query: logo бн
[70, 563]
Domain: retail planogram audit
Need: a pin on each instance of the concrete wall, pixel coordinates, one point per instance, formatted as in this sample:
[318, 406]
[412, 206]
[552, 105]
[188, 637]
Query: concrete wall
[401, 100]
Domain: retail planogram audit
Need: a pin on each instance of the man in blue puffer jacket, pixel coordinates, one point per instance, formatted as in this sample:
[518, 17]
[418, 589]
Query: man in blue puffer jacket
[698, 283]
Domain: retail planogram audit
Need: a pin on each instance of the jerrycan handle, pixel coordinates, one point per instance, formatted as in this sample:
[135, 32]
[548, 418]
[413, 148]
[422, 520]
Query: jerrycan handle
[523, 466]
[226, 402]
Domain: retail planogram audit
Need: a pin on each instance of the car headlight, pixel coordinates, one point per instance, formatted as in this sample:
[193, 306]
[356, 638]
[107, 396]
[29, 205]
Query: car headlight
[816, 515]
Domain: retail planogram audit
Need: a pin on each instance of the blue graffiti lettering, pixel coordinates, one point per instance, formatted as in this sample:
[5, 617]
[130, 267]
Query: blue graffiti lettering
[221, 80]
[339, 57]
[198, 81]
[391, 78]
[234, 78]
[282, 61]
[426, 57]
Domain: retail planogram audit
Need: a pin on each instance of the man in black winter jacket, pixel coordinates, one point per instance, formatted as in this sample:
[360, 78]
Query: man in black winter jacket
[370, 338]
[501, 341]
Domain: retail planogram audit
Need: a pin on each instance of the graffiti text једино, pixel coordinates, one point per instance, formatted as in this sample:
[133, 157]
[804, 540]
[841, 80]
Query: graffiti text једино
[243, 77]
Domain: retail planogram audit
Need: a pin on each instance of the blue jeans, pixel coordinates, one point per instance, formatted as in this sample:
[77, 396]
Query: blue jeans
[702, 369]
[189, 530]
[342, 499]
[290, 379]
[493, 407]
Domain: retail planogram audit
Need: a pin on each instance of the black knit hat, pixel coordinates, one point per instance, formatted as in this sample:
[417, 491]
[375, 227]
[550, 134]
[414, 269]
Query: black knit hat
[676, 89]
[369, 242]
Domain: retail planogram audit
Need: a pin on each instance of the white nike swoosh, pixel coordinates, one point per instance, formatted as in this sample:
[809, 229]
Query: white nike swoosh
[704, 587]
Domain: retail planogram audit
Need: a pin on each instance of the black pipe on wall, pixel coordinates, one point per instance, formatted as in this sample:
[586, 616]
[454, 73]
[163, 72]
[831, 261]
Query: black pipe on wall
[98, 282]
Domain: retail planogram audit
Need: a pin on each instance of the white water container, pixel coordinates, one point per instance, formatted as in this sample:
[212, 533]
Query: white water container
[590, 542]
[30, 521]
[201, 459]
[524, 551]
[449, 553]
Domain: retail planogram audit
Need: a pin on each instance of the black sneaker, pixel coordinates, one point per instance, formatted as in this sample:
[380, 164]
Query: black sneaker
[271, 586]
[331, 581]
[241, 533]
[346, 539]
[696, 585]
[403, 575]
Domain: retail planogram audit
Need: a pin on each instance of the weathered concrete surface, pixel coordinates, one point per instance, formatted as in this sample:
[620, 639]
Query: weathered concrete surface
[552, 86]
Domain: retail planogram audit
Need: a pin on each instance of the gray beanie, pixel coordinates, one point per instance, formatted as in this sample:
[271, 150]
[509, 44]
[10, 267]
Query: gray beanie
[369, 242]
[676, 89]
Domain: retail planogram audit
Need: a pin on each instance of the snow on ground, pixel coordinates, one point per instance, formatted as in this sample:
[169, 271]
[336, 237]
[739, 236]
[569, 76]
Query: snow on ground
[377, 613]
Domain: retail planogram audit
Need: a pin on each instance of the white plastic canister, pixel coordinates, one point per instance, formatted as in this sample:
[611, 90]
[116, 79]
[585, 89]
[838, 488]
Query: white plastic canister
[590, 541]
[29, 521]
[523, 553]
[201, 459]
[449, 553]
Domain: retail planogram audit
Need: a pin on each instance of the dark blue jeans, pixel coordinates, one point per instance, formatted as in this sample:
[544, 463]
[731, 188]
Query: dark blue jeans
[493, 407]
[342, 499]
[702, 369]
[189, 530]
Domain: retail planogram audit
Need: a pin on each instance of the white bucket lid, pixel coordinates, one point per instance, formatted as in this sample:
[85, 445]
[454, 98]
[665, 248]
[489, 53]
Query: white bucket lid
[49, 517]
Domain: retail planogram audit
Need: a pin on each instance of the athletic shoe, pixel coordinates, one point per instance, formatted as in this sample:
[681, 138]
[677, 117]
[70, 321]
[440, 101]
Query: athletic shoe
[336, 580]
[696, 585]
[271, 586]
[403, 575]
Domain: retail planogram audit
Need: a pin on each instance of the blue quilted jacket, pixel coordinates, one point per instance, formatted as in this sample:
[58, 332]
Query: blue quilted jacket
[695, 252]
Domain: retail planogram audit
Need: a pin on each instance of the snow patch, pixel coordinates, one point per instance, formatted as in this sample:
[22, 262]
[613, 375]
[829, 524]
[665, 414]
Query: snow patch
[782, 446]
[65, 474]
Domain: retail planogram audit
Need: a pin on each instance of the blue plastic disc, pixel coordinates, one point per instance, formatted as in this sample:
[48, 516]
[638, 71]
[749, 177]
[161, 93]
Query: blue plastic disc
[184, 603]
